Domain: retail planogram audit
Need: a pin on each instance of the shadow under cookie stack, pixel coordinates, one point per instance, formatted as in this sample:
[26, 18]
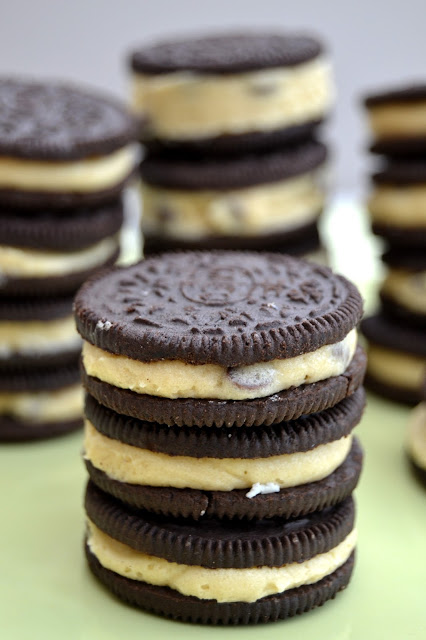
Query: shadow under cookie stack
[228, 124]
[222, 391]
[397, 206]
[65, 156]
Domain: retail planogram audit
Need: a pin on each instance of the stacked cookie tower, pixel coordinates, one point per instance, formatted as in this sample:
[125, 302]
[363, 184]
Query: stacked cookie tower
[229, 124]
[223, 389]
[65, 156]
[397, 334]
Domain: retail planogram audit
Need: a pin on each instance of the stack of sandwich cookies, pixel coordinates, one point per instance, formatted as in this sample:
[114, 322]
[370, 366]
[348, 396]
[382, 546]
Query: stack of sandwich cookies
[228, 122]
[397, 206]
[265, 354]
[65, 156]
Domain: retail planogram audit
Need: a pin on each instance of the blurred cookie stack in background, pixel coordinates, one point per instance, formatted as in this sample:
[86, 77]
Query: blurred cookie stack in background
[228, 123]
[65, 156]
[397, 206]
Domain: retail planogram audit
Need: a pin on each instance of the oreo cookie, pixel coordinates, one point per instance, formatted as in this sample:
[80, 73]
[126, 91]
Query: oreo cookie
[235, 552]
[179, 445]
[37, 333]
[403, 292]
[396, 120]
[396, 358]
[266, 200]
[248, 91]
[61, 145]
[40, 403]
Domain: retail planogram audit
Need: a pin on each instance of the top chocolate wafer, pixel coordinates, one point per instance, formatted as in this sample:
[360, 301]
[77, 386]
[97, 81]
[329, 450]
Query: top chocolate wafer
[230, 53]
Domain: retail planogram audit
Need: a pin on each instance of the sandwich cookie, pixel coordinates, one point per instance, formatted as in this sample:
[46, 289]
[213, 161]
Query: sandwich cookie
[397, 203]
[54, 251]
[211, 572]
[227, 93]
[37, 332]
[61, 146]
[287, 470]
[396, 358]
[403, 292]
[397, 118]
[265, 201]
[40, 404]
[221, 326]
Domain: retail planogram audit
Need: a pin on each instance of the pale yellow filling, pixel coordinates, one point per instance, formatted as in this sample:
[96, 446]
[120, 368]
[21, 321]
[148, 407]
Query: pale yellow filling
[407, 288]
[43, 406]
[184, 105]
[126, 463]
[78, 176]
[398, 120]
[400, 206]
[177, 379]
[33, 263]
[38, 336]
[223, 585]
[416, 435]
[396, 368]
[251, 211]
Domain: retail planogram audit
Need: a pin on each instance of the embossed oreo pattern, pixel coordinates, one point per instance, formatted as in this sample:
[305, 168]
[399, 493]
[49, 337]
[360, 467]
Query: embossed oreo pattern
[230, 53]
[52, 121]
[228, 308]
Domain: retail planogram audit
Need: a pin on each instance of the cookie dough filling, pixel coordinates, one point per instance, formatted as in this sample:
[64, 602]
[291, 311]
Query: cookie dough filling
[407, 288]
[244, 212]
[398, 120]
[223, 585]
[416, 436]
[186, 105]
[78, 176]
[396, 367]
[176, 379]
[32, 263]
[401, 206]
[133, 465]
[43, 406]
[38, 336]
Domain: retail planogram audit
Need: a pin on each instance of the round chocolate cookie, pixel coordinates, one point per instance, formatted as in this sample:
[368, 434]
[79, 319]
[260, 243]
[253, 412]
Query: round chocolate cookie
[60, 229]
[52, 121]
[301, 242]
[61, 146]
[396, 358]
[402, 172]
[400, 106]
[40, 403]
[403, 293]
[229, 53]
[213, 545]
[37, 333]
[226, 308]
[232, 173]
[287, 405]
[248, 91]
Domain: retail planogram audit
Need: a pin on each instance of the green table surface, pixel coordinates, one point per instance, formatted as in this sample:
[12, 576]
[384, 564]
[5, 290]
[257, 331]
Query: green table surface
[47, 592]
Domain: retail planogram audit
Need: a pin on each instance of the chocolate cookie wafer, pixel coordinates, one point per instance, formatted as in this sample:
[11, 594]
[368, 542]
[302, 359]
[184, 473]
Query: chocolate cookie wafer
[286, 470]
[37, 332]
[214, 573]
[403, 292]
[61, 146]
[217, 326]
[396, 358]
[397, 117]
[52, 252]
[397, 204]
[40, 404]
[268, 200]
[230, 93]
